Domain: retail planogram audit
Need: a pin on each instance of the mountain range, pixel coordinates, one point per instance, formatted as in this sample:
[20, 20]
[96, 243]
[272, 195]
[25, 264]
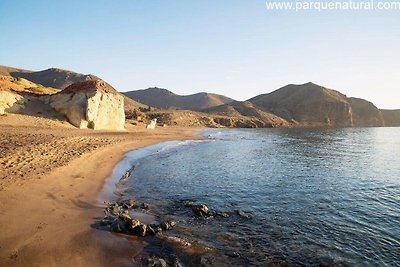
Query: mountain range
[163, 99]
[292, 105]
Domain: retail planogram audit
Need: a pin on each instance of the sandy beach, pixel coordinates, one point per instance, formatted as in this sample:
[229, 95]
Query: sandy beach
[50, 177]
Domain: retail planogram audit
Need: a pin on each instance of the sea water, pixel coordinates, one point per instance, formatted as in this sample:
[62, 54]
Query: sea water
[313, 196]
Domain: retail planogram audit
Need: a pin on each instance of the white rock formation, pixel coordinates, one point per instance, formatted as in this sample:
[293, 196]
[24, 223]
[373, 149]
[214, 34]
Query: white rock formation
[91, 104]
[10, 102]
[152, 124]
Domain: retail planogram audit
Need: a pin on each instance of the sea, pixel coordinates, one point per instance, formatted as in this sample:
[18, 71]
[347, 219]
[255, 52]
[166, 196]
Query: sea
[307, 197]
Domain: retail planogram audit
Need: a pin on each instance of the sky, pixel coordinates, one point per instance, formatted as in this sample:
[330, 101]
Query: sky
[237, 48]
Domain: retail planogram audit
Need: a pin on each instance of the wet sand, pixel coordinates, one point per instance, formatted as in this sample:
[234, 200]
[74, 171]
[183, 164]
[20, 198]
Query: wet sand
[50, 179]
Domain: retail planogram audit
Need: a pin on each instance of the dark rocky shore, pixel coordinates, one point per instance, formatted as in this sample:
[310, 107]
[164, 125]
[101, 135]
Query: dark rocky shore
[176, 250]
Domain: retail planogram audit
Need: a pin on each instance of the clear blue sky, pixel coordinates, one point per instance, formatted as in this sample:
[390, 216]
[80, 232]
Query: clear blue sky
[237, 48]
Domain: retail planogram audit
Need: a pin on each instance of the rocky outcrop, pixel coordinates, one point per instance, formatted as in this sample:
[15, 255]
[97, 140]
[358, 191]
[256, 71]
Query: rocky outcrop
[15, 93]
[391, 117]
[10, 102]
[91, 104]
[21, 85]
[364, 113]
[117, 219]
[152, 124]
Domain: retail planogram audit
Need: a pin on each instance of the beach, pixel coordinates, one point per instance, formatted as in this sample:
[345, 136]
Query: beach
[51, 176]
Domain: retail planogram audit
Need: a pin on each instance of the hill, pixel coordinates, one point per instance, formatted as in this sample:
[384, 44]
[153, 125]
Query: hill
[313, 105]
[164, 99]
[247, 110]
[4, 70]
[21, 85]
[53, 77]
[365, 113]
[292, 105]
[60, 79]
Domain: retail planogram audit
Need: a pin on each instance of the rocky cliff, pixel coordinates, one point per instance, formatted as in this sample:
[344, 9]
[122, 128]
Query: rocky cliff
[10, 102]
[364, 113]
[91, 104]
[391, 117]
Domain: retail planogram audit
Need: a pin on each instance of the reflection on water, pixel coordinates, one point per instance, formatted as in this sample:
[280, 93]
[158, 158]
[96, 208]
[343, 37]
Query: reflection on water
[316, 197]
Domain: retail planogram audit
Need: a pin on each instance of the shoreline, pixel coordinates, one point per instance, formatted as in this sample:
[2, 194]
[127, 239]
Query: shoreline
[46, 220]
[108, 192]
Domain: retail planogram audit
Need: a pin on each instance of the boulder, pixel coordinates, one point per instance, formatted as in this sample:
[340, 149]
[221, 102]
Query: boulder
[243, 214]
[91, 104]
[152, 124]
[156, 262]
[141, 229]
[167, 225]
[198, 209]
[222, 214]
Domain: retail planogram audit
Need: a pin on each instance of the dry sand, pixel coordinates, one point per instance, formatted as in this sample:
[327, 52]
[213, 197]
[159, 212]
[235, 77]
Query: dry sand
[50, 179]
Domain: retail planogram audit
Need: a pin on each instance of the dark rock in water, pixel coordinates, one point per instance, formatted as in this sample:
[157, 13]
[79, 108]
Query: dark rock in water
[175, 240]
[156, 262]
[234, 254]
[118, 220]
[201, 209]
[145, 206]
[125, 217]
[155, 227]
[106, 221]
[112, 209]
[116, 209]
[141, 229]
[150, 230]
[198, 209]
[119, 226]
[206, 262]
[167, 225]
[176, 262]
[222, 214]
[128, 173]
[127, 204]
[189, 203]
[243, 214]
[134, 223]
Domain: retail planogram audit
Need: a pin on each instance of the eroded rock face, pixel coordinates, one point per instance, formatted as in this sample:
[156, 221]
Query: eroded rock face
[91, 104]
[365, 114]
[10, 102]
[391, 117]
